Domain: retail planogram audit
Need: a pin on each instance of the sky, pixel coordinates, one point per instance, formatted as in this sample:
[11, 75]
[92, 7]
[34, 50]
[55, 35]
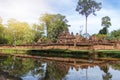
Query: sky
[31, 10]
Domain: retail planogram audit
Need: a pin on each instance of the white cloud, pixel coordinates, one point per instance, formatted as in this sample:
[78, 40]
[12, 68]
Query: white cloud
[24, 10]
[31, 10]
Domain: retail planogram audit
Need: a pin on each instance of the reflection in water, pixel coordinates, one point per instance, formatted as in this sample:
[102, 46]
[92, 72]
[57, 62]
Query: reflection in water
[14, 68]
[73, 74]
[20, 67]
[55, 71]
[107, 75]
[116, 66]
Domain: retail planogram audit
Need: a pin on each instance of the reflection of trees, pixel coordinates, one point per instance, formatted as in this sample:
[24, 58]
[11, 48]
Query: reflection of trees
[17, 67]
[39, 69]
[116, 66]
[107, 75]
[23, 66]
[7, 76]
[55, 71]
[7, 69]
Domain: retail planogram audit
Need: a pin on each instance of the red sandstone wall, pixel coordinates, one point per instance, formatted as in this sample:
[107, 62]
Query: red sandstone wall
[96, 47]
[103, 47]
[118, 46]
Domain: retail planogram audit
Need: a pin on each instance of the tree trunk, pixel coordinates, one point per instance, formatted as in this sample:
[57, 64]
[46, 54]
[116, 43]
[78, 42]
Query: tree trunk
[86, 75]
[86, 25]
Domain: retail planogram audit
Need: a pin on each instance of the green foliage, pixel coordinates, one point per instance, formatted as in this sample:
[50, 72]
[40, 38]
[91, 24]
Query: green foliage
[108, 53]
[3, 40]
[19, 67]
[8, 62]
[18, 32]
[44, 39]
[55, 71]
[106, 23]
[38, 31]
[55, 24]
[116, 66]
[103, 31]
[100, 36]
[87, 7]
[115, 35]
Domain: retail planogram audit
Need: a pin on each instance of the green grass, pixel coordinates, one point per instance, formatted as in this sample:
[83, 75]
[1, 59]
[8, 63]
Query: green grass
[13, 51]
[109, 53]
[64, 53]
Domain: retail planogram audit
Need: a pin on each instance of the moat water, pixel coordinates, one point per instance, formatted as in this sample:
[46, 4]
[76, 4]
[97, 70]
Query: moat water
[14, 68]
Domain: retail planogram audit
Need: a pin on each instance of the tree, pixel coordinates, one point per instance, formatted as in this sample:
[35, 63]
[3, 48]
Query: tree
[87, 7]
[46, 20]
[115, 35]
[103, 31]
[18, 32]
[55, 24]
[38, 31]
[1, 28]
[3, 40]
[105, 23]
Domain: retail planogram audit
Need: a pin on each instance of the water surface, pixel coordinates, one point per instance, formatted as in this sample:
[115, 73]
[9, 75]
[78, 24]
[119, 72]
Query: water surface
[15, 68]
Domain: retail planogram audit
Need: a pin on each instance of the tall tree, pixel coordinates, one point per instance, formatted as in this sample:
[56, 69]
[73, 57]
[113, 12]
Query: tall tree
[54, 23]
[46, 21]
[103, 31]
[87, 7]
[106, 23]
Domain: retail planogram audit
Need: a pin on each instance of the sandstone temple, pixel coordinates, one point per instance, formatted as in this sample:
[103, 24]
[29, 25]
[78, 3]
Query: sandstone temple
[69, 38]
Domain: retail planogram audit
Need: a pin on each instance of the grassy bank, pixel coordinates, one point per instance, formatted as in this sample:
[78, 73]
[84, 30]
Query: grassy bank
[65, 53]
[59, 53]
[14, 51]
[48, 53]
[108, 53]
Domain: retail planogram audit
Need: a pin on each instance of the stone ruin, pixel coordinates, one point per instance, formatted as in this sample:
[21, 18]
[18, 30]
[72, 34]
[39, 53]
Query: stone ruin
[66, 38]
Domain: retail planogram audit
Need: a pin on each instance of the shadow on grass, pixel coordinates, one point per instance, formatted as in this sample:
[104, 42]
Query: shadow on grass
[59, 53]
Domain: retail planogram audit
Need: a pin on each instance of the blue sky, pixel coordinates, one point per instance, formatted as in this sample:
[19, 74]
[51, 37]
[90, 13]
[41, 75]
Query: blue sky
[30, 11]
